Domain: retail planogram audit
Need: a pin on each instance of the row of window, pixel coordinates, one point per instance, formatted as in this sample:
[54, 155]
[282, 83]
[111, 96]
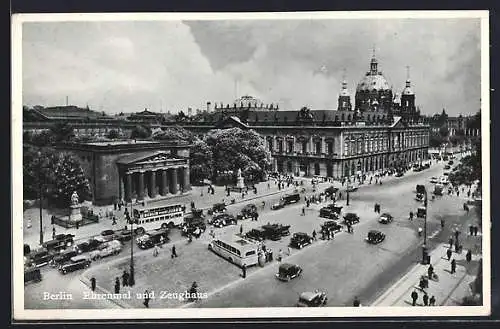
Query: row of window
[227, 247]
[158, 211]
[304, 147]
[159, 218]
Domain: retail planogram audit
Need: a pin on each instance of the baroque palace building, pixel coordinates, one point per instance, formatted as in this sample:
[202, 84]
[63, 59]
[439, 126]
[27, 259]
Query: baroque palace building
[381, 130]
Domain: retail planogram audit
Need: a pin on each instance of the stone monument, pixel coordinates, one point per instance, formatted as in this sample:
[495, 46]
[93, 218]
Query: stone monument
[75, 214]
[240, 181]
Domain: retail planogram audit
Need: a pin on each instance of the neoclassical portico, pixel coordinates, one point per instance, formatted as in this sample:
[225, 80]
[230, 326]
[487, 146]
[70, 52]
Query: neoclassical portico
[150, 175]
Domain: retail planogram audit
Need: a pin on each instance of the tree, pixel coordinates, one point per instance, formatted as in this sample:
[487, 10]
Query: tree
[238, 149]
[62, 132]
[68, 178]
[444, 131]
[200, 161]
[435, 140]
[175, 133]
[140, 132]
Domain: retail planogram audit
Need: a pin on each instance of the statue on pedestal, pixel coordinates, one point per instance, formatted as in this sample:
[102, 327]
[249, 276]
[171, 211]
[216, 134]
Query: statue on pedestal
[75, 214]
[75, 199]
[240, 182]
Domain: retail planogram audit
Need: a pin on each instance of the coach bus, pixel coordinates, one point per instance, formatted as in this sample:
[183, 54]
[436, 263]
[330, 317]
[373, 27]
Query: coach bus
[237, 250]
[150, 217]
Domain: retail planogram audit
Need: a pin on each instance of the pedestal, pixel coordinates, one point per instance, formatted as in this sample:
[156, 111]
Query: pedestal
[75, 214]
[240, 183]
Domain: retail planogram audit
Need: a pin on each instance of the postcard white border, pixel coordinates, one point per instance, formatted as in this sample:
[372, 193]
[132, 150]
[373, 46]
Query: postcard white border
[19, 313]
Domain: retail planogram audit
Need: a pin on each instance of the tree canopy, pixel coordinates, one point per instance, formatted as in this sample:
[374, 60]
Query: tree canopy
[200, 161]
[140, 132]
[174, 133]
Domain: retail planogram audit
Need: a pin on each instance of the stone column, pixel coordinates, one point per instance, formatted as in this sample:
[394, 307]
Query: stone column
[120, 187]
[128, 187]
[163, 182]
[140, 188]
[187, 184]
[173, 181]
[152, 184]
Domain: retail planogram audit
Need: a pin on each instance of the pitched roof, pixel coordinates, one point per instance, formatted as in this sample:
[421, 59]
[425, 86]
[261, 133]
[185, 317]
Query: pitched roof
[70, 111]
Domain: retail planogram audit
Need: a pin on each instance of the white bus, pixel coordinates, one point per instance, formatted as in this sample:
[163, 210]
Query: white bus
[150, 217]
[237, 250]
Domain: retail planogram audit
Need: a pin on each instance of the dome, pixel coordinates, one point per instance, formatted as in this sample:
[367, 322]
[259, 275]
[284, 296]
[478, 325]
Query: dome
[373, 82]
[248, 101]
[408, 90]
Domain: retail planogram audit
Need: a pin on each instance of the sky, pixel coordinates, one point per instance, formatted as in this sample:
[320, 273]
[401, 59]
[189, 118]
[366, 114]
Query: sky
[127, 66]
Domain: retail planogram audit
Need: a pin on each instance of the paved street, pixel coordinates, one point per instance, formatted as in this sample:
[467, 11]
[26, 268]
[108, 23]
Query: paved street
[344, 267]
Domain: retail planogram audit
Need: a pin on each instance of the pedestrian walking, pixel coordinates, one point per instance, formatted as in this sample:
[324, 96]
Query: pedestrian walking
[426, 299]
[468, 256]
[244, 270]
[174, 252]
[303, 211]
[114, 220]
[430, 271]
[92, 283]
[450, 241]
[432, 301]
[340, 195]
[53, 233]
[453, 266]
[476, 229]
[411, 215]
[156, 251]
[471, 230]
[414, 297]
[280, 255]
[314, 235]
[125, 277]
[356, 302]
[241, 229]
[146, 298]
[117, 285]
[448, 253]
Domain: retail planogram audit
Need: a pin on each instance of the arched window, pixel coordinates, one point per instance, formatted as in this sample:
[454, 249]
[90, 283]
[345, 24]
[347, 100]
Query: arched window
[343, 117]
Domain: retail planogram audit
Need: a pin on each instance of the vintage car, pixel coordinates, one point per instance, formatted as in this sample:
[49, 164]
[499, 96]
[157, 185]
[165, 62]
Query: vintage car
[60, 241]
[330, 226]
[275, 231]
[438, 189]
[434, 180]
[152, 238]
[351, 218]
[400, 174]
[108, 235]
[278, 205]
[331, 211]
[450, 162]
[40, 257]
[32, 274]
[258, 234]
[329, 191]
[312, 299]
[63, 257]
[291, 198]
[421, 212]
[385, 218]
[299, 240]
[219, 207]
[222, 220]
[248, 211]
[447, 167]
[375, 237]
[419, 197]
[89, 245]
[193, 226]
[123, 235]
[106, 249]
[287, 272]
[75, 263]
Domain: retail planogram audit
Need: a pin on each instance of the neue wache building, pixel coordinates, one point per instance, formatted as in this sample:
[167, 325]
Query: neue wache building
[381, 130]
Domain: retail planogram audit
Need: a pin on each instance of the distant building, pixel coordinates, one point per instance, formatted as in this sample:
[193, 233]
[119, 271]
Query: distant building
[63, 113]
[146, 116]
[133, 170]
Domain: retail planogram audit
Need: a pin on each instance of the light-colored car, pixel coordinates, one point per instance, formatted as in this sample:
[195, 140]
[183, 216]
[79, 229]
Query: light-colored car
[106, 249]
[444, 180]
[434, 180]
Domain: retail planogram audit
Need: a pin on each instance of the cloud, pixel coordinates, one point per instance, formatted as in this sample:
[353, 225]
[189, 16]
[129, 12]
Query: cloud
[127, 66]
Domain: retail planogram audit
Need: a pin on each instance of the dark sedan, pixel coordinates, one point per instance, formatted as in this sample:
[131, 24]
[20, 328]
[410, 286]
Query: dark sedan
[300, 240]
[351, 218]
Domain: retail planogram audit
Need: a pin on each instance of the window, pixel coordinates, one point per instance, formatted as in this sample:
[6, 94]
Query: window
[316, 169]
[270, 145]
[280, 146]
[250, 253]
[290, 146]
[304, 147]
[330, 147]
[318, 147]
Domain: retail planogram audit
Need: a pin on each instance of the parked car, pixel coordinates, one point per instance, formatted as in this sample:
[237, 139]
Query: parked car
[152, 238]
[258, 234]
[63, 257]
[32, 274]
[275, 231]
[60, 241]
[331, 211]
[291, 198]
[444, 180]
[421, 212]
[76, 263]
[221, 220]
[193, 226]
[219, 207]
[434, 180]
[351, 218]
[248, 211]
[438, 189]
[299, 240]
[312, 299]
[386, 218]
[419, 197]
[123, 235]
[375, 237]
[450, 162]
[287, 272]
[420, 189]
[40, 257]
[447, 167]
[108, 235]
[399, 174]
[106, 249]
[86, 246]
[330, 226]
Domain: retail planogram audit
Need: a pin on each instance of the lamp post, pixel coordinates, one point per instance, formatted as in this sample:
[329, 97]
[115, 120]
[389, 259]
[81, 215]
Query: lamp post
[131, 280]
[424, 246]
[40, 194]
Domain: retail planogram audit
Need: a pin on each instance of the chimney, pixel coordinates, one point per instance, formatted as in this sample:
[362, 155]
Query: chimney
[208, 106]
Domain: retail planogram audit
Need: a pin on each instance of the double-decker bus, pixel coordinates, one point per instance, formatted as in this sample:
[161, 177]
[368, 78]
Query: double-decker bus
[237, 250]
[150, 217]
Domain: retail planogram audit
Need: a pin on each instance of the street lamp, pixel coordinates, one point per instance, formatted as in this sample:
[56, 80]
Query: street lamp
[424, 246]
[131, 280]
[40, 194]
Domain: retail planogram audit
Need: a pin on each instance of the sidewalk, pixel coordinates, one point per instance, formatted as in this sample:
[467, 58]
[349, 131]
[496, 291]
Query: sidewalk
[448, 289]
[31, 235]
